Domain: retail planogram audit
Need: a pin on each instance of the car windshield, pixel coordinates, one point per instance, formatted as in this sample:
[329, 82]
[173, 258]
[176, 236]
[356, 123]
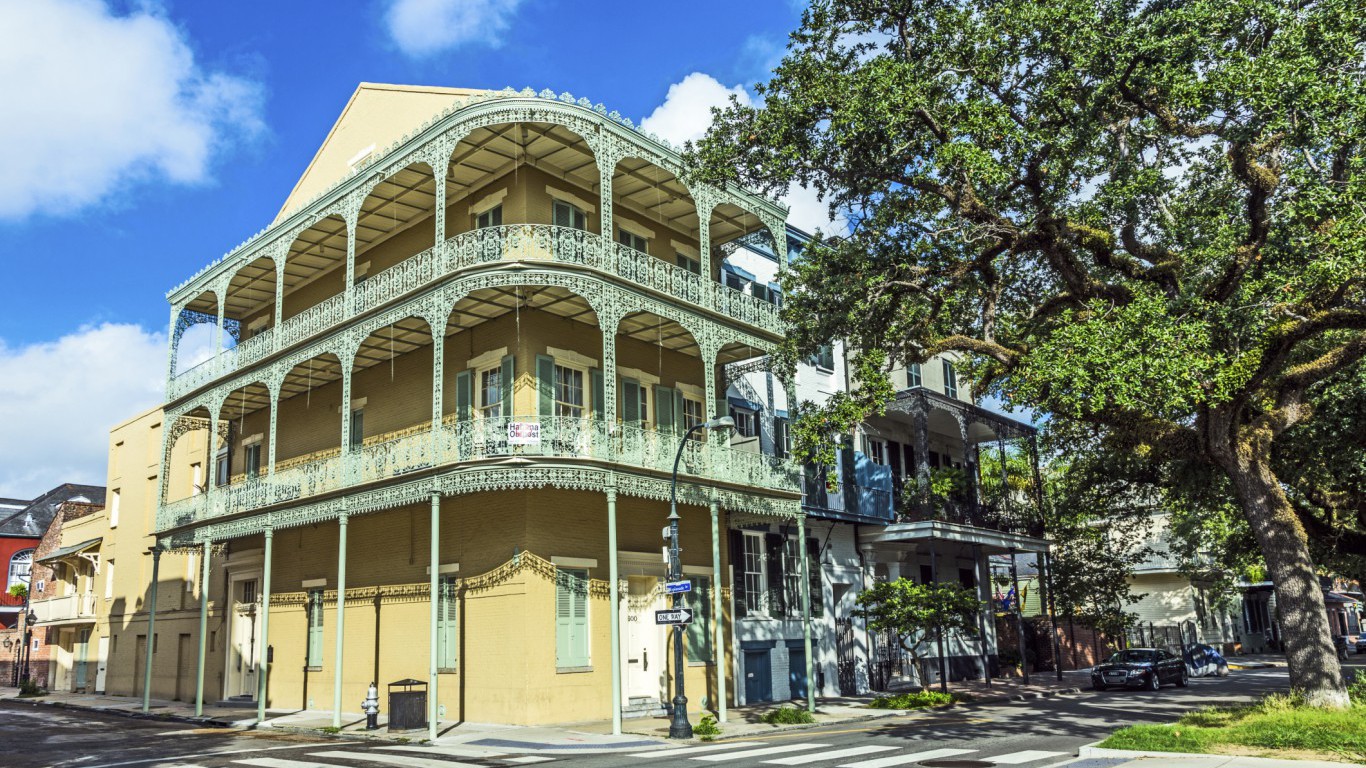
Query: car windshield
[1133, 657]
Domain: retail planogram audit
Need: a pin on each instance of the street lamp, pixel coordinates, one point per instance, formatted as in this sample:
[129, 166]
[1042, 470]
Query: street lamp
[679, 727]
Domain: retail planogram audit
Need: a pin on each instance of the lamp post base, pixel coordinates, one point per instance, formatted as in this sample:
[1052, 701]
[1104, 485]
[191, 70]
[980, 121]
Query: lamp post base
[679, 727]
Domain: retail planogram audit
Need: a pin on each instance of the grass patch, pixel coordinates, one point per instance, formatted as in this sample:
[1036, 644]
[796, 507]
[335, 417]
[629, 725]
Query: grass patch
[787, 716]
[918, 700]
[1276, 724]
[331, 729]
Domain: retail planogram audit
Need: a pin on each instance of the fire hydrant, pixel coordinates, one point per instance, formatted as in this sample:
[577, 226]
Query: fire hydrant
[371, 708]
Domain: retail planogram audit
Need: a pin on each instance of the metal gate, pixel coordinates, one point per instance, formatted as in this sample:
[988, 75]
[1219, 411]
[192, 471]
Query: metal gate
[847, 654]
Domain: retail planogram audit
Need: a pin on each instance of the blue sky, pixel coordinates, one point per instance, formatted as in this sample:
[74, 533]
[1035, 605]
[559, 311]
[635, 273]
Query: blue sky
[154, 136]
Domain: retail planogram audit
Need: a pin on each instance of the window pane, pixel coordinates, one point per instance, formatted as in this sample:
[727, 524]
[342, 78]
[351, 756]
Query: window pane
[568, 391]
[491, 393]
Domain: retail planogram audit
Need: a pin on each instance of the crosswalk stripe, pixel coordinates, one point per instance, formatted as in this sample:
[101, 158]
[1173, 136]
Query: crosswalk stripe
[696, 750]
[748, 753]
[834, 755]
[450, 751]
[914, 757]
[1028, 755]
[276, 762]
[527, 759]
[406, 762]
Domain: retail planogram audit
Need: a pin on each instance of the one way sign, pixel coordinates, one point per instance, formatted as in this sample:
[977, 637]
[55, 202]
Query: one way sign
[676, 616]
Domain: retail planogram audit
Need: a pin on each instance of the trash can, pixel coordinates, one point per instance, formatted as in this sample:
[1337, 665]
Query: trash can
[407, 705]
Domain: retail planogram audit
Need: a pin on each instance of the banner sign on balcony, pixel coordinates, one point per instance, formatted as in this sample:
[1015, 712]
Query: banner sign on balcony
[524, 433]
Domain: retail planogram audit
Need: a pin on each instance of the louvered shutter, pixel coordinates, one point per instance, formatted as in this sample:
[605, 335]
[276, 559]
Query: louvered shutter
[680, 425]
[505, 379]
[664, 409]
[446, 625]
[630, 401]
[737, 572]
[571, 618]
[813, 558]
[545, 385]
[463, 392]
[599, 398]
[315, 629]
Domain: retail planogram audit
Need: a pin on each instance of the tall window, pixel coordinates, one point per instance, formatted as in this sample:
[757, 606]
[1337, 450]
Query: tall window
[491, 393]
[315, 628]
[687, 262]
[692, 413]
[913, 375]
[782, 438]
[699, 632]
[109, 579]
[755, 573]
[877, 451]
[20, 568]
[792, 575]
[950, 380]
[253, 460]
[357, 427]
[571, 617]
[566, 215]
[447, 640]
[568, 391]
[493, 217]
[223, 466]
[114, 509]
[745, 422]
[632, 240]
[197, 471]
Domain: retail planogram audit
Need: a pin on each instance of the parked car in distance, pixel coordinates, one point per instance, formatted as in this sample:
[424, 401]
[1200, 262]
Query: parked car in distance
[1203, 661]
[1139, 668]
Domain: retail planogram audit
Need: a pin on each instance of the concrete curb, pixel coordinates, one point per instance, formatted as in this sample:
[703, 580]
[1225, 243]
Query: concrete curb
[1091, 750]
[211, 722]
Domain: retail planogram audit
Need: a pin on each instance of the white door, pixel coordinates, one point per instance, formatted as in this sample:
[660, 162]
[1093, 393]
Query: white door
[246, 620]
[643, 646]
[101, 663]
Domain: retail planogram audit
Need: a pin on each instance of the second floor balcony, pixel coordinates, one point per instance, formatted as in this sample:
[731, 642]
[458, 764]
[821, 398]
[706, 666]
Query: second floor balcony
[75, 608]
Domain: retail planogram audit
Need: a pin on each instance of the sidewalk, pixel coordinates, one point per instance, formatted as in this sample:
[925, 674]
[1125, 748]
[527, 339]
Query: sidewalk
[1256, 661]
[1097, 757]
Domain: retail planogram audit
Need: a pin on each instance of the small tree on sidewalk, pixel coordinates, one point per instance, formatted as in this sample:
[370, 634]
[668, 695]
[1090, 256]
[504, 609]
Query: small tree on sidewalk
[919, 613]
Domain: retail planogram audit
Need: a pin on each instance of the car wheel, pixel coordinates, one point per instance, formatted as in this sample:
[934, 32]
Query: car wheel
[1182, 680]
[1154, 681]
[1097, 686]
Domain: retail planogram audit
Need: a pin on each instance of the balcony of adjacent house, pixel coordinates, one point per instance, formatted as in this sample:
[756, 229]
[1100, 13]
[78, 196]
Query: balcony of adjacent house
[523, 380]
[69, 597]
[515, 195]
[976, 472]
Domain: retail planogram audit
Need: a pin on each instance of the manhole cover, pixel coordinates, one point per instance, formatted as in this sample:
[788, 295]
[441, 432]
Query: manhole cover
[957, 764]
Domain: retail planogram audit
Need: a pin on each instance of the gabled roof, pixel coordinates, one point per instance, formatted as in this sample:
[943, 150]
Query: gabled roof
[34, 519]
[376, 116]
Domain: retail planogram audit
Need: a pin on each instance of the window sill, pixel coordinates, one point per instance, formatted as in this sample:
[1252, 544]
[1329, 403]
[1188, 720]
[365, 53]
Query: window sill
[701, 664]
[313, 669]
[572, 670]
[447, 671]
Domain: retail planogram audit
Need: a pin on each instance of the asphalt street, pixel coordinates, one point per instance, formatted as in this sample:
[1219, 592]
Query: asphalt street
[1031, 734]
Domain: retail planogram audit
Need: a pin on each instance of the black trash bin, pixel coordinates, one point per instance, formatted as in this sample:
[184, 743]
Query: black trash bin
[407, 706]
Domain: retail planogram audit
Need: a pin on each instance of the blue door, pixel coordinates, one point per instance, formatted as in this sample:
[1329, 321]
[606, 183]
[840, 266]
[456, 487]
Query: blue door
[758, 677]
[796, 671]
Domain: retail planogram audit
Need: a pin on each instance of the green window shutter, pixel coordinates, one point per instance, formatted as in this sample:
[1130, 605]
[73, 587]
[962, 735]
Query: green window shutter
[507, 375]
[737, 572]
[446, 624]
[545, 385]
[679, 425]
[630, 401]
[315, 628]
[599, 398]
[462, 394]
[571, 617]
[773, 548]
[813, 562]
[664, 409]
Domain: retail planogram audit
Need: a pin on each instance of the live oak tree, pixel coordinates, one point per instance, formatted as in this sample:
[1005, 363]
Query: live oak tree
[1147, 217]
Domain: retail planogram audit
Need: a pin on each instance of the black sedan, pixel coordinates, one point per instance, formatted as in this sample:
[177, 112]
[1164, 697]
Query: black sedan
[1139, 668]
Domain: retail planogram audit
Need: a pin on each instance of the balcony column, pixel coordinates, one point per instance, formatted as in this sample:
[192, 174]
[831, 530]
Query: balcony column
[706, 199]
[338, 658]
[614, 609]
[438, 161]
[351, 215]
[274, 390]
[203, 628]
[969, 462]
[436, 323]
[920, 415]
[806, 613]
[1046, 583]
[174, 346]
[719, 637]
[607, 159]
[608, 321]
[347, 358]
[983, 594]
[777, 229]
[939, 631]
[218, 333]
[1005, 478]
[151, 628]
[434, 585]
[280, 256]
[1019, 618]
[263, 651]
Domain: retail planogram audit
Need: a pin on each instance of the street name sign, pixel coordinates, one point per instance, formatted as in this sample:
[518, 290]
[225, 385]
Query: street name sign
[675, 616]
[674, 587]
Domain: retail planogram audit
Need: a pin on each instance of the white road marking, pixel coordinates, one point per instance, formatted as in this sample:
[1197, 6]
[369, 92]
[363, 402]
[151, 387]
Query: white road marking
[527, 759]
[833, 755]
[748, 753]
[272, 762]
[199, 755]
[914, 757]
[1027, 756]
[696, 750]
[450, 751]
[406, 762]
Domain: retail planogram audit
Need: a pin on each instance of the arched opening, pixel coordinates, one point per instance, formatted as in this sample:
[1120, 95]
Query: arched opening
[396, 220]
[250, 300]
[752, 396]
[195, 336]
[655, 214]
[660, 378]
[245, 453]
[189, 463]
[308, 420]
[315, 268]
[391, 392]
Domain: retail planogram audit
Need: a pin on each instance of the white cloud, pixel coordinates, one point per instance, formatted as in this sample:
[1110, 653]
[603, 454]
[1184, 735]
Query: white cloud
[58, 400]
[424, 27]
[685, 115]
[95, 101]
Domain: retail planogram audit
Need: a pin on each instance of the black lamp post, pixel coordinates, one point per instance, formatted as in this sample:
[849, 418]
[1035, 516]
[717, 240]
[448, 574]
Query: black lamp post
[679, 727]
[29, 621]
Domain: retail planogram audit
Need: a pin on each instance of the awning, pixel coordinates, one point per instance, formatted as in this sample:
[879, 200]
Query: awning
[740, 402]
[74, 549]
[734, 270]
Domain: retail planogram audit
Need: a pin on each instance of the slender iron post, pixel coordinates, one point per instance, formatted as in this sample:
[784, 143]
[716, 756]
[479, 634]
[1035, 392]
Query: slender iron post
[614, 611]
[718, 643]
[434, 585]
[679, 727]
[806, 614]
[263, 654]
[939, 630]
[341, 620]
[983, 594]
[203, 630]
[1047, 568]
[151, 628]
[1019, 618]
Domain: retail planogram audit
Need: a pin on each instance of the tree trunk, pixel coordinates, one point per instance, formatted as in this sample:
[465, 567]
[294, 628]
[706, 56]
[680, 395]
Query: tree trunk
[1308, 641]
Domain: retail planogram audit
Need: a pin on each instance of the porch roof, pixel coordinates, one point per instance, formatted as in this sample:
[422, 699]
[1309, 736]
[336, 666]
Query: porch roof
[992, 542]
[74, 549]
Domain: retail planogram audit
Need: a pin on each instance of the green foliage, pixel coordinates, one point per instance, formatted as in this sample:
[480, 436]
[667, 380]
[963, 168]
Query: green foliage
[1141, 218]
[330, 729]
[30, 687]
[787, 716]
[706, 728]
[19, 590]
[917, 700]
[1276, 723]
[916, 612]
